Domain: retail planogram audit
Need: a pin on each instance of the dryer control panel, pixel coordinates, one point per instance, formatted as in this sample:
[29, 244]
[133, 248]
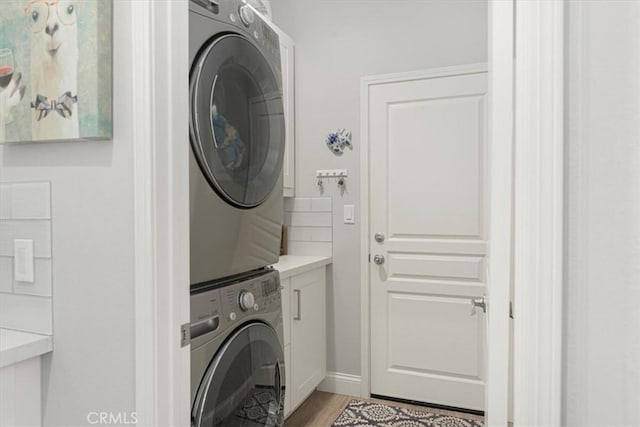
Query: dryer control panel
[244, 18]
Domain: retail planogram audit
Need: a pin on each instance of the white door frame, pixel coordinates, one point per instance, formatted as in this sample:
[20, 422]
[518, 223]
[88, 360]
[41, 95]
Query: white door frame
[161, 209]
[539, 180]
[365, 298]
[531, 232]
[500, 164]
[161, 149]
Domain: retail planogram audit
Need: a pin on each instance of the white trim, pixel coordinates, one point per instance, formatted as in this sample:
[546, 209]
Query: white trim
[160, 97]
[500, 168]
[337, 382]
[365, 332]
[365, 83]
[143, 214]
[431, 73]
[538, 260]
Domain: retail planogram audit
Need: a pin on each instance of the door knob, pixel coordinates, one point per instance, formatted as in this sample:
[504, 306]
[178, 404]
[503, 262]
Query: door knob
[379, 237]
[378, 259]
[478, 302]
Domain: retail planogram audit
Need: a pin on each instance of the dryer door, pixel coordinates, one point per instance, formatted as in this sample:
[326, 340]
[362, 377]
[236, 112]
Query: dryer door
[244, 384]
[237, 120]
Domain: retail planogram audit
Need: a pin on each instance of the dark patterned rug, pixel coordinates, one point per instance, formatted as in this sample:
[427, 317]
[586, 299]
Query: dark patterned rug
[359, 413]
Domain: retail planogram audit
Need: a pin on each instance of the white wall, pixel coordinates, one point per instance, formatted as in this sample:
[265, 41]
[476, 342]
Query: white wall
[92, 364]
[337, 42]
[602, 317]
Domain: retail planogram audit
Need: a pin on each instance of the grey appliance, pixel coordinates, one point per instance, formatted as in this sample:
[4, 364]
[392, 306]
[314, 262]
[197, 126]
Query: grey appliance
[237, 361]
[237, 140]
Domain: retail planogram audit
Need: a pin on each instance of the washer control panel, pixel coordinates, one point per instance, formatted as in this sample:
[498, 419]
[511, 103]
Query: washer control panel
[206, 312]
[226, 304]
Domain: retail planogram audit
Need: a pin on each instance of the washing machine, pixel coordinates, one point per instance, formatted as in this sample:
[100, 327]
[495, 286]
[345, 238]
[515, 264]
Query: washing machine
[237, 359]
[237, 137]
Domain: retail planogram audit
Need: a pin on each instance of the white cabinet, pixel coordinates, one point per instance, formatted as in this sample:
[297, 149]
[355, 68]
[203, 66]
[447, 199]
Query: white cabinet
[304, 311]
[308, 333]
[287, 59]
[20, 395]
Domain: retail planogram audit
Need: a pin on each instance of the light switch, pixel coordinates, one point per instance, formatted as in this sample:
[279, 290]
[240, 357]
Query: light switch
[23, 260]
[349, 214]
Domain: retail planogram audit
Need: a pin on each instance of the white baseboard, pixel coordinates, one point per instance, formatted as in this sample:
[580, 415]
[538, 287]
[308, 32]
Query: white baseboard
[336, 382]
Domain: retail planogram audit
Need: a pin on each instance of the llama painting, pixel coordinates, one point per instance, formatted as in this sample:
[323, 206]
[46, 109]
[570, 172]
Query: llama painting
[54, 69]
[62, 50]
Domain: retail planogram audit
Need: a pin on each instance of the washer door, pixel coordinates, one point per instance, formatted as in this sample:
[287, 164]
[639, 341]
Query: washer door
[237, 120]
[244, 384]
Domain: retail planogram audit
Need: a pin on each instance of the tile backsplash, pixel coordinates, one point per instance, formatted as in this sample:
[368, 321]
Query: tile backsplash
[309, 225]
[25, 213]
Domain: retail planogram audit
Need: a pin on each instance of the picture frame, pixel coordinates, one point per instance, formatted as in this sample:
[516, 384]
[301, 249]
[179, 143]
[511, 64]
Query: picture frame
[56, 72]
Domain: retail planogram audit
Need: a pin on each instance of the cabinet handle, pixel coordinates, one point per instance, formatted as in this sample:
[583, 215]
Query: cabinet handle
[299, 316]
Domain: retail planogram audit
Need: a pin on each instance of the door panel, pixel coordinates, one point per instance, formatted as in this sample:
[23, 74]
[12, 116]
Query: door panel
[429, 148]
[428, 265]
[416, 342]
[427, 169]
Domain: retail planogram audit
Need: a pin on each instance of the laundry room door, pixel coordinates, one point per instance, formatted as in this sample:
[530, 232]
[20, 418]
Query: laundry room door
[428, 238]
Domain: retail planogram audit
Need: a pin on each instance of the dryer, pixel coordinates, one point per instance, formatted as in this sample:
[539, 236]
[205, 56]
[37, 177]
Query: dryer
[237, 137]
[237, 360]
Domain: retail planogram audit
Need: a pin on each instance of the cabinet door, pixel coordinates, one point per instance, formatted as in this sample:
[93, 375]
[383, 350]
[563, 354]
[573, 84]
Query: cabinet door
[308, 333]
[287, 58]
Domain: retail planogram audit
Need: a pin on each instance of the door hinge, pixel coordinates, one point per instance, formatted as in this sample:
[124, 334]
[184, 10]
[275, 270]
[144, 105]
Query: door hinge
[185, 335]
[511, 309]
[369, 258]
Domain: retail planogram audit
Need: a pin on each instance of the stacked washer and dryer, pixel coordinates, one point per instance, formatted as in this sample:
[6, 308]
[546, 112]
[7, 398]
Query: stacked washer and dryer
[237, 148]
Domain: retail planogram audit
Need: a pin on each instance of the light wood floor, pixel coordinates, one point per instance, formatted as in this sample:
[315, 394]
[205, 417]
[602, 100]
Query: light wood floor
[321, 409]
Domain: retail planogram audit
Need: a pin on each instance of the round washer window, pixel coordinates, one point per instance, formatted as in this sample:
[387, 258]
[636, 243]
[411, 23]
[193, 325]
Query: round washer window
[237, 120]
[244, 384]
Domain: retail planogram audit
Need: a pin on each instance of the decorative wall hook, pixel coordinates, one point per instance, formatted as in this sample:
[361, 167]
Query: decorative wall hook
[338, 140]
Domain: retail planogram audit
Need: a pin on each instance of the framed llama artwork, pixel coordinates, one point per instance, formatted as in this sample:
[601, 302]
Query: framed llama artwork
[55, 70]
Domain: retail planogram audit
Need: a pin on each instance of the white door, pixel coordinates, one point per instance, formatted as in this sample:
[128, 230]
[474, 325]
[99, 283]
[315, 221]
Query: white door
[427, 201]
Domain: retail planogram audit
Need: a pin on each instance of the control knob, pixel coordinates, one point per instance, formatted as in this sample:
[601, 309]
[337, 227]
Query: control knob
[246, 15]
[246, 300]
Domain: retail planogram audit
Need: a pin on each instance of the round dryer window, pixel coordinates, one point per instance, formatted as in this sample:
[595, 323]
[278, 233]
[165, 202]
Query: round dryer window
[237, 120]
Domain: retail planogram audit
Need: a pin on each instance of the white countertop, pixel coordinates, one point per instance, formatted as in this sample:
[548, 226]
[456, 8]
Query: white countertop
[290, 265]
[16, 346]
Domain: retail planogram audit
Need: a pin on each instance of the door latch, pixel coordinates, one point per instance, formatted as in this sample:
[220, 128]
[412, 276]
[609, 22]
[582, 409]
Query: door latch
[478, 302]
[185, 335]
[378, 259]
